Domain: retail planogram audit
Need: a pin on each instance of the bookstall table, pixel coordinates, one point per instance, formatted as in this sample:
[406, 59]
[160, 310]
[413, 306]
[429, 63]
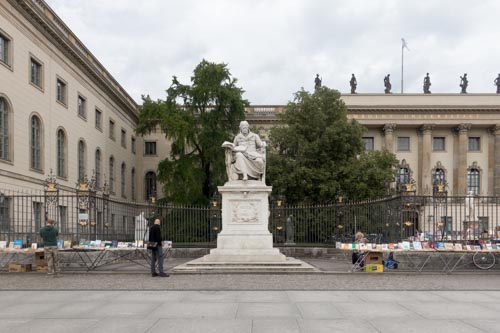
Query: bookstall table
[106, 256]
[18, 256]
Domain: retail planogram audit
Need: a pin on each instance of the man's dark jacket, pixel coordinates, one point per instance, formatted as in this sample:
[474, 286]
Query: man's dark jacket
[49, 235]
[155, 234]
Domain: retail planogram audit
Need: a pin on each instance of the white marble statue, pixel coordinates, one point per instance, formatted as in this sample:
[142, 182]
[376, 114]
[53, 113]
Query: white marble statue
[246, 156]
[470, 208]
[141, 227]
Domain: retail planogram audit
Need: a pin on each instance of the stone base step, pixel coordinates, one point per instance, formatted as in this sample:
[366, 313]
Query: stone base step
[289, 266]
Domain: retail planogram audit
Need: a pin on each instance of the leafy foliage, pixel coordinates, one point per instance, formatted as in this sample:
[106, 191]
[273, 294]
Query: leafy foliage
[195, 119]
[318, 153]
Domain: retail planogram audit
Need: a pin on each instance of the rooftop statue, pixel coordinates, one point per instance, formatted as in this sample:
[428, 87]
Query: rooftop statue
[246, 156]
[387, 84]
[497, 83]
[317, 82]
[353, 84]
[427, 84]
[464, 83]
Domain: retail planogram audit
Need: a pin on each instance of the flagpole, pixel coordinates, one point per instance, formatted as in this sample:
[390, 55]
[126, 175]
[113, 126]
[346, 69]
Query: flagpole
[402, 53]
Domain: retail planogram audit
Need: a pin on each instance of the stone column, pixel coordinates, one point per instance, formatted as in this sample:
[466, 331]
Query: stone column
[425, 177]
[495, 130]
[460, 170]
[389, 139]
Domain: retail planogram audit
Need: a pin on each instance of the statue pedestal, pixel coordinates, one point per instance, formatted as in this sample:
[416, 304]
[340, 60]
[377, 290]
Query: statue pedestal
[245, 235]
[245, 243]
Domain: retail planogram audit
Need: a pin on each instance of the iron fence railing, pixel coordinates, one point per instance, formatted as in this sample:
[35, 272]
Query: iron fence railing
[90, 216]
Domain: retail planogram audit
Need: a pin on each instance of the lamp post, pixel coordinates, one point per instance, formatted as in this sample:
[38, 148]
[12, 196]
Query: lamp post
[340, 215]
[85, 192]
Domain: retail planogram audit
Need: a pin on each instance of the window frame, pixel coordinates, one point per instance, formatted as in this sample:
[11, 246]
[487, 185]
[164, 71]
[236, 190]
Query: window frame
[63, 102]
[82, 160]
[369, 140]
[399, 145]
[123, 138]
[474, 140]
[437, 139]
[473, 174]
[112, 128]
[81, 108]
[36, 144]
[111, 166]
[7, 59]
[36, 61]
[98, 115]
[6, 131]
[153, 143]
[147, 180]
[61, 162]
[123, 175]
[133, 144]
[98, 167]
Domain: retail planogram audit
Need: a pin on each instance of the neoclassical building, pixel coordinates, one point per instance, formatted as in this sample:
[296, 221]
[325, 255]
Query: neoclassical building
[62, 111]
[440, 139]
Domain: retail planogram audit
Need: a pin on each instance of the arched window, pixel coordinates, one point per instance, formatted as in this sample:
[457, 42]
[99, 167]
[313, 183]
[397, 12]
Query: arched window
[438, 180]
[150, 181]
[122, 179]
[36, 143]
[112, 174]
[61, 153]
[81, 160]
[132, 181]
[4, 131]
[98, 168]
[473, 181]
[404, 181]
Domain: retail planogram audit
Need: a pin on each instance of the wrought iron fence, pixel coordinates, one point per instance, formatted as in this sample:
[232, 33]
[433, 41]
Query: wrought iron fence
[86, 215]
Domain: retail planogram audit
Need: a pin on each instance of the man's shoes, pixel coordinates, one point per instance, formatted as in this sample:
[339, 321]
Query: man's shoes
[163, 275]
[154, 274]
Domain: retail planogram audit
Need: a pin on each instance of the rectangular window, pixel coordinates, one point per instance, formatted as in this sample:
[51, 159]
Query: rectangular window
[37, 215]
[61, 91]
[484, 225]
[124, 138]
[4, 49]
[98, 119]
[132, 145]
[474, 143]
[368, 143]
[403, 143]
[82, 107]
[438, 144]
[150, 148]
[111, 129]
[36, 73]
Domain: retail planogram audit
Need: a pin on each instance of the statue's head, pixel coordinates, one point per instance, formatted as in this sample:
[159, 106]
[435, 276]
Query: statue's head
[244, 127]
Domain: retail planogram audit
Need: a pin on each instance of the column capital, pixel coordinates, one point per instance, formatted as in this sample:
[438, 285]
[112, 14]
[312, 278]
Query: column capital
[389, 128]
[427, 128]
[495, 130]
[463, 128]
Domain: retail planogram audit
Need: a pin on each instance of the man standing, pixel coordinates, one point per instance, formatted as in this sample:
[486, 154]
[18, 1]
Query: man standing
[49, 235]
[157, 252]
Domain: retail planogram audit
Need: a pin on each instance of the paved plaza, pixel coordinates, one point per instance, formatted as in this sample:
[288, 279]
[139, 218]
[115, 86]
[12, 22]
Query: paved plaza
[325, 302]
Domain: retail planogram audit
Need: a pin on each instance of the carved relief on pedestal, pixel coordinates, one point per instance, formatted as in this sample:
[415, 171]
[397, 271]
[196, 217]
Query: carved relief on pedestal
[245, 212]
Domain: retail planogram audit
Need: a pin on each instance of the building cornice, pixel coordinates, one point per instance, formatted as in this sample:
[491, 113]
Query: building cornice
[38, 13]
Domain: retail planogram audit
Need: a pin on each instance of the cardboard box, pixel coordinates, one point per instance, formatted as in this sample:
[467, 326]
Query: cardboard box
[39, 257]
[41, 269]
[374, 258]
[374, 268]
[19, 268]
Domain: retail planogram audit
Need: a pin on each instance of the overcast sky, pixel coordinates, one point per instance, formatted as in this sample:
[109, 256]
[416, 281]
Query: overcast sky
[275, 47]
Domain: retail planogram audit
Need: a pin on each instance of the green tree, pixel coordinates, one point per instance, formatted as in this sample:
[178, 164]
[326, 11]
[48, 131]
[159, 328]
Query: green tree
[318, 153]
[195, 119]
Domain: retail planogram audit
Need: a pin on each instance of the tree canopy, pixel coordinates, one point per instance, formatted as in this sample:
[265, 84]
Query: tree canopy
[195, 119]
[317, 153]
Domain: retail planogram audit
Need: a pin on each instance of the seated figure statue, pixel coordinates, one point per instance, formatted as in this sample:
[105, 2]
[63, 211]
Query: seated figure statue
[246, 156]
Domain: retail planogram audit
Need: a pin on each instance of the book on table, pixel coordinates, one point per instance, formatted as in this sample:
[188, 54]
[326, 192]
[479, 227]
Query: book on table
[417, 246]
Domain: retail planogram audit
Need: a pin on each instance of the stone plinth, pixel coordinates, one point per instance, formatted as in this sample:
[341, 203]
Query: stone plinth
[245, 235]
[245, 243]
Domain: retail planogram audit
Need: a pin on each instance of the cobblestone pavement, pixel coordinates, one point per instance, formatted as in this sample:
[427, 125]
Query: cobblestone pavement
[128, 299]
[138, 278]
